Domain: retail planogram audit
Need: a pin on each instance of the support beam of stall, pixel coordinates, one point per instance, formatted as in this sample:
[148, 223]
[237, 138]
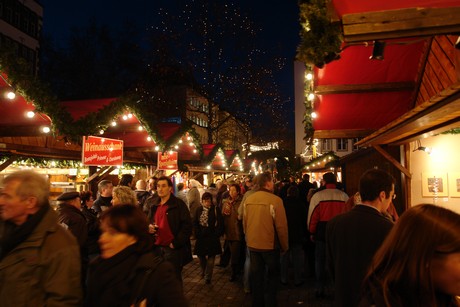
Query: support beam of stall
[392, 160]
[100, 172]
[7, 163]
[407, 22]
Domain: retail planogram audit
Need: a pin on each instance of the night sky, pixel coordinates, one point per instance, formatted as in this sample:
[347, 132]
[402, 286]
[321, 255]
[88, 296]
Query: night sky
[277, 18]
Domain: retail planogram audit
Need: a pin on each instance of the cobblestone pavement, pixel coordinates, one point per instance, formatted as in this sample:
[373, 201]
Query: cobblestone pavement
[222, 292]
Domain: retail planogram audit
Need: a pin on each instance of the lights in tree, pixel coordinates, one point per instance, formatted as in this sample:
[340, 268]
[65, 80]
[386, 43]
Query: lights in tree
[30, 114]
[46, 129]
[10, 95]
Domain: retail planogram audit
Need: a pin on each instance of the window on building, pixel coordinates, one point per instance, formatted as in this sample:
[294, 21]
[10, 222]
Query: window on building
[342, 144]
[326, 145]
[355, 140]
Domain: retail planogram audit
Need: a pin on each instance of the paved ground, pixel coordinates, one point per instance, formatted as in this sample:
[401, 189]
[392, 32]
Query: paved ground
[221, 292]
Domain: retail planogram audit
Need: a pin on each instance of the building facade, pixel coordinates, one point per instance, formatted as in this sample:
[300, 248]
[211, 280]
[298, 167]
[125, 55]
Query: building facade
[20, 27]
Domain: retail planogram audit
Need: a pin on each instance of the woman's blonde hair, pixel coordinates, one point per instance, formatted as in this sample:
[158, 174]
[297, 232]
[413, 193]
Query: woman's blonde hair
[125, 195]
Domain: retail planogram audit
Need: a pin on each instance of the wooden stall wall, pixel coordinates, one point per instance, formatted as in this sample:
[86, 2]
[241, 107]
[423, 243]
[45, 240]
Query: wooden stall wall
[355, 164]
[440, 68]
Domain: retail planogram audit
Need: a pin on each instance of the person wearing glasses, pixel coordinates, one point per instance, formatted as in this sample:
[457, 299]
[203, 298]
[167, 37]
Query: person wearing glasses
[352, 238]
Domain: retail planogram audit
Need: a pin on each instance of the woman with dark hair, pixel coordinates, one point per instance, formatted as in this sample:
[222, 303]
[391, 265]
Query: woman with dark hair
[233, 230]
[418, 264]
[92, 222]
[130, 271]
[208, 224]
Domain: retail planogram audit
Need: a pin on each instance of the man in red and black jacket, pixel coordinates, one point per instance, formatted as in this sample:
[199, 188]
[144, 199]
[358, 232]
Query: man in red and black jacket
[171, 224]
[324, 205]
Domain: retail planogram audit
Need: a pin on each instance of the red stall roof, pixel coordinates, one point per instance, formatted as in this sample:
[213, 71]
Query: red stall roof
[357, 95]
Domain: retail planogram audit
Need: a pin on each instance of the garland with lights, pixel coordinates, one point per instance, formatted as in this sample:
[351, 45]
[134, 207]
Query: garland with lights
[452, 131]
[54, 163]
[320, 38]
[34, 91]
[332, 158]
[309, 108]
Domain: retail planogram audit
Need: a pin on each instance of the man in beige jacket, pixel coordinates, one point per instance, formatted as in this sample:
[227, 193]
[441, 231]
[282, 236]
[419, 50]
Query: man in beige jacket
[265, 227]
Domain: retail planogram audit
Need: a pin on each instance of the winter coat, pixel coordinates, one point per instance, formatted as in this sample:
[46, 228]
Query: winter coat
[132, 276]
[233, 226]
[193, 197]
[180, 224]
[208, 237]
[141, 196]
[264, 222]
[352, 239]
[94, 231]
[74, 220]
[43, 270]
[296, 215]
[102, 203]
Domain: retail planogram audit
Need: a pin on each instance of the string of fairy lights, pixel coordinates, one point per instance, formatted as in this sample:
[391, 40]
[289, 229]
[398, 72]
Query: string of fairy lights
[218, 41]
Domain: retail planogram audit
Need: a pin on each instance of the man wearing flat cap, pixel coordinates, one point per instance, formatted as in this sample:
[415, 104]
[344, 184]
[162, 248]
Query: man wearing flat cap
[71, 218]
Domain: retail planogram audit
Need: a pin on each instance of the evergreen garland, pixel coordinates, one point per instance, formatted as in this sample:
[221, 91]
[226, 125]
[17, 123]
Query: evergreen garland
[320, 39]
[40, 95]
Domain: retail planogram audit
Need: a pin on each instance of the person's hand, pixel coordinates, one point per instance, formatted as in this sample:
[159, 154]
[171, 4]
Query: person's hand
[171, 245]
[153, 228]
[143, 303]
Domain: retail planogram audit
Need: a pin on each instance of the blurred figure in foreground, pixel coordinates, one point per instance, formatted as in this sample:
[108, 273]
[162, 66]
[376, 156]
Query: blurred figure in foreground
[419, 262]
[130, 271]
[39, 259]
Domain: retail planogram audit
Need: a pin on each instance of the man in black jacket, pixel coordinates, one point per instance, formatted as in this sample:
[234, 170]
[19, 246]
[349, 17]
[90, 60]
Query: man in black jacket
[171, 224]
[104, 199]
[353, 238]
[71, 217]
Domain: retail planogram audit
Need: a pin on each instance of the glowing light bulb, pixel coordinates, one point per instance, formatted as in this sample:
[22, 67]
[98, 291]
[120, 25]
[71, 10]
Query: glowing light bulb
[10, 95]
[30, 114]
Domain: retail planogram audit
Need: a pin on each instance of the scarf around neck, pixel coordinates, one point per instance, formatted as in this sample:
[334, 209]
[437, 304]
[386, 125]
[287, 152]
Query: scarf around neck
[14, 235]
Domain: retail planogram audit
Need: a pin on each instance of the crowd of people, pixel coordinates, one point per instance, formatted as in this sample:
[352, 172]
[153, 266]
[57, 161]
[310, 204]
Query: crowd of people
[128, 245]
